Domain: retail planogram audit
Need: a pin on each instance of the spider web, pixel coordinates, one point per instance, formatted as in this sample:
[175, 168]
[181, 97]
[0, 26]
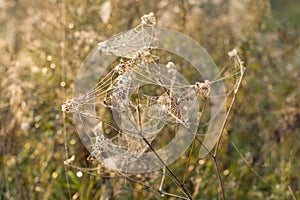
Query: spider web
[128, 44]
[139, 118]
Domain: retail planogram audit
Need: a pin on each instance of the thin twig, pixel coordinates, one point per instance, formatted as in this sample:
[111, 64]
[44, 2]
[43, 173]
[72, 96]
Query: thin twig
[239, 64]
[63, 63]
[217, 168]
[162, 179]
[66, 153]
[292, 193]
[219, 177]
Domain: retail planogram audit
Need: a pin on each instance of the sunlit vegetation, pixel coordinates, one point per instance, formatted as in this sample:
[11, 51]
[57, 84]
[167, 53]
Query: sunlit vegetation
[43, 44]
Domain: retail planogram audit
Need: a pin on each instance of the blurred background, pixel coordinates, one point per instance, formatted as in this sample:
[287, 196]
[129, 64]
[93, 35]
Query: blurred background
[43, 43]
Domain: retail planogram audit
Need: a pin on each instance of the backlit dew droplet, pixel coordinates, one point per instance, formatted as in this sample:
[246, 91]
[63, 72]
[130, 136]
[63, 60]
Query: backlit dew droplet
[62, 84]
[49, 58]
[79, 174]
[71, 25]
[226, 172]
[54, 175]
[44, 71]
[73, 141]
[52, 65]
[201, 162]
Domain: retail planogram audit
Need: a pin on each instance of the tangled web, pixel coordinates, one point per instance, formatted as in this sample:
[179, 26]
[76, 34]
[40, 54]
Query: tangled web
[142, 98]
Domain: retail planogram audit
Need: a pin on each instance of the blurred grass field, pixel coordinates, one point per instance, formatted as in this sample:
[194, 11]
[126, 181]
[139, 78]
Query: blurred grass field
[43, 44]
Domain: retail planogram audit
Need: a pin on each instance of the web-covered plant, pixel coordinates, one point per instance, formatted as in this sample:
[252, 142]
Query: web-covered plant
[146, 111]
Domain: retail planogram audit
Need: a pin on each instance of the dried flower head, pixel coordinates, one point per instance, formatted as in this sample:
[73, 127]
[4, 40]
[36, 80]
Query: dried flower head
[203, 89]
[142, 57]
[69, 106]
[72, 105]
[148, 19]
[233, 53]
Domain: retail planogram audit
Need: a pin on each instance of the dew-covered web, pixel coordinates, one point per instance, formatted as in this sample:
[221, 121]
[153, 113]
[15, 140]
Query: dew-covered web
[130, 43]
[124, 117]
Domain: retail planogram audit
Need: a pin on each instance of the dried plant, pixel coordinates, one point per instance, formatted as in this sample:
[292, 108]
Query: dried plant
[141, 124]
[43, 44]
